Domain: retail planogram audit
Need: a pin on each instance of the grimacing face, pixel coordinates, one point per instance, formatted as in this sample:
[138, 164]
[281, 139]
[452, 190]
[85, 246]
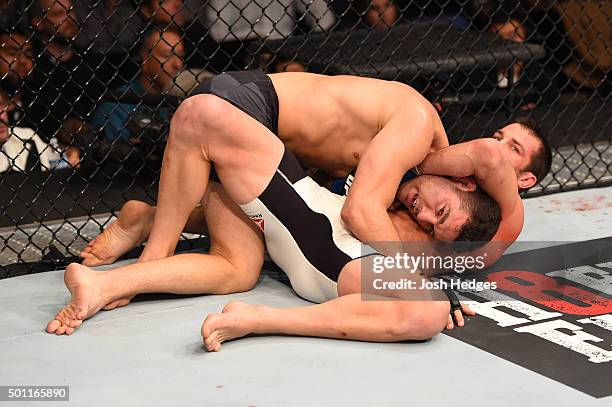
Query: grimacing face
[435, 204]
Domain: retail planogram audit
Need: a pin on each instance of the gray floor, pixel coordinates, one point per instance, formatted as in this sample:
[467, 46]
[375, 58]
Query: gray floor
[150, 352]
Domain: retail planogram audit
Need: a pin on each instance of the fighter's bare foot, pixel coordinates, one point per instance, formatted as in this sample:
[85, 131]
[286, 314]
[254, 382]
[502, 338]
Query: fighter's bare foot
[128, 231]
[87, 299]
[235, 321]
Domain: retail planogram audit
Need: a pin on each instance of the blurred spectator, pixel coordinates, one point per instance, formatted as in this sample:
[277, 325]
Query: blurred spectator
[288, 66]
[163, 12]
[162, 54]
[577, 34]
[106, 26]
[172, 14]
[12, 15]
[64, 81]
[510, 30]
[239, 20]
[16, 61]
[225, 27]
[21, 149]
[381, 13]
[385, 13]
[155, 13]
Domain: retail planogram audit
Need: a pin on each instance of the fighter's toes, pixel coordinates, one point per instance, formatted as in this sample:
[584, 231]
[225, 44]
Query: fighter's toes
[61, 330]
[232, 323]
[210, 334]
[212, 344]
[91, 260]
[53, 326]
[86, 300]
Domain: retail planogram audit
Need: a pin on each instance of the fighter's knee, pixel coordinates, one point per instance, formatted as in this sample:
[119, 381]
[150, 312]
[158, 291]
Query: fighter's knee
[242, 273]
[241, 281]
[435, 318]
[419, 320]
[249, 273]
[201, 110]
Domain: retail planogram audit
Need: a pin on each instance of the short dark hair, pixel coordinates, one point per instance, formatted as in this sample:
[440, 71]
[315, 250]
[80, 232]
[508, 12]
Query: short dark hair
[156, 29]
[541, 160]
[484, 217]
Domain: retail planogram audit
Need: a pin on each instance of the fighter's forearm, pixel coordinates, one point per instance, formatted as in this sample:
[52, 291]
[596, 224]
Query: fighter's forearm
[373, 228]
[473, 158]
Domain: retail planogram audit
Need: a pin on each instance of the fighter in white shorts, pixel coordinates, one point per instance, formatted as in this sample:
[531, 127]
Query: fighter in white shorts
[303, 229]
[305, 235]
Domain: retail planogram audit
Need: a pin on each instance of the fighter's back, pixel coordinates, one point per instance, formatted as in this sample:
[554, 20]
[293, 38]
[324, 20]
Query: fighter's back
[327, 120]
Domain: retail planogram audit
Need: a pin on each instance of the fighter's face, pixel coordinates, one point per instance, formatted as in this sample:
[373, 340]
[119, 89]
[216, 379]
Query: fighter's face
[520, 145]
[434, 203]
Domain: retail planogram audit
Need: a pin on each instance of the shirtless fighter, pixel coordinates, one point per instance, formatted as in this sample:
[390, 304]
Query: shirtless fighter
[306, 237]
[229, 235]
[329, 123]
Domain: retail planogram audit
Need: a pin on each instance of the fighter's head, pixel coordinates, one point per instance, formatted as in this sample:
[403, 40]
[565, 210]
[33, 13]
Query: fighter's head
[527, 150]
[449, 209]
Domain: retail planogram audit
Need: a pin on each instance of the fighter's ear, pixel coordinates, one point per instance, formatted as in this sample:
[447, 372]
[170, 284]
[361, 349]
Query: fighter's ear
[526, 180]
[467, 184]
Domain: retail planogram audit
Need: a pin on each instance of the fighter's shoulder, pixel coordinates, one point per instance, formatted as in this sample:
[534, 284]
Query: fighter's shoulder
[405, 98]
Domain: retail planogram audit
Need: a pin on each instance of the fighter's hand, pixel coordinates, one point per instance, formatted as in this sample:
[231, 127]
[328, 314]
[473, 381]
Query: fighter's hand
[458, 313]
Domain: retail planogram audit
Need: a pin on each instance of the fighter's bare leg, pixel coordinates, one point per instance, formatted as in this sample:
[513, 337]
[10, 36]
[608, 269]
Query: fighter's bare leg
[206, 129]
[346, 317]
[131, 229]
[232, 265]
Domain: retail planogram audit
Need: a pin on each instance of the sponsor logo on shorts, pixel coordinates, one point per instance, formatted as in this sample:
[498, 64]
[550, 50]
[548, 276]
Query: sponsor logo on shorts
[348, 183]
[259, 221]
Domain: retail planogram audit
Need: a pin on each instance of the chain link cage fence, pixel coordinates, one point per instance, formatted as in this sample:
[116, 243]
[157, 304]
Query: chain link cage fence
[88, 88]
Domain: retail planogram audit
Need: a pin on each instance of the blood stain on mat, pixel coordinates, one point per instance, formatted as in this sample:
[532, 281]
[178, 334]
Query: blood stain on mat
[579, 204]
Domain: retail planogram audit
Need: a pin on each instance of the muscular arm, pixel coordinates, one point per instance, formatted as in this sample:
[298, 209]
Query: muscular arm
[485, 160]
[402, 143]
